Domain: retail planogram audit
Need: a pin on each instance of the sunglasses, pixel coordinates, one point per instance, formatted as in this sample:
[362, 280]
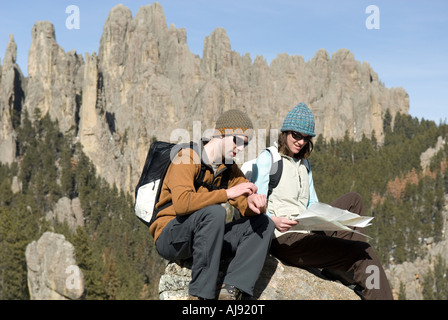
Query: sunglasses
[298, 136]
[240, 141]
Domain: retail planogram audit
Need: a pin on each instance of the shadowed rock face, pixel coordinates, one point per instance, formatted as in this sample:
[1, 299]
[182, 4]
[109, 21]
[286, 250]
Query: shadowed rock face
[277, 281]
[145, 83]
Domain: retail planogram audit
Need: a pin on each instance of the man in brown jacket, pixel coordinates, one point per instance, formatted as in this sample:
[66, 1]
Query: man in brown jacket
[194, 226]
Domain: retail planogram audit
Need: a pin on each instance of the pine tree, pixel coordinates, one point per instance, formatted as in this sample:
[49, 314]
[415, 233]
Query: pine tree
[435, 283]
[387, 122]
[111, 280]
[67, 172]
[440, 279]
[89, 265]
[6, 194]
[25, 134]
[428, 286]
[17, 229]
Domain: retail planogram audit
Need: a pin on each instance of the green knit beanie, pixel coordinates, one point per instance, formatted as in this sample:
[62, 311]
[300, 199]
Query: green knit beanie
[235, 122]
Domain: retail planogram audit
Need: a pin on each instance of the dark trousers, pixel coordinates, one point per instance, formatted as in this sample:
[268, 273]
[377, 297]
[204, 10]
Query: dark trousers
[207, 238]
[341, 250]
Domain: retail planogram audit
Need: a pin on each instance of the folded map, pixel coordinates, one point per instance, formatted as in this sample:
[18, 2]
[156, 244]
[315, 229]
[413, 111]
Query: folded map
[323, 217]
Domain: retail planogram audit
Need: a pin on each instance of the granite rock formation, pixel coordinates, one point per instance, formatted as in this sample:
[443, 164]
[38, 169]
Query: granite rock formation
[67, 211]
[52, 270]
[144, 83]
[12, 84]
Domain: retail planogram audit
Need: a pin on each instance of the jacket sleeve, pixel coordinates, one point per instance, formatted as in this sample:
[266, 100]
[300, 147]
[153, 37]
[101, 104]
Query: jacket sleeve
[180, 181]
[262, 171]
[313, 196]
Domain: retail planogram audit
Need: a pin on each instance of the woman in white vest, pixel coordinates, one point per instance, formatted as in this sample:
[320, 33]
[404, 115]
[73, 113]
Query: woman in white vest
[343, 251]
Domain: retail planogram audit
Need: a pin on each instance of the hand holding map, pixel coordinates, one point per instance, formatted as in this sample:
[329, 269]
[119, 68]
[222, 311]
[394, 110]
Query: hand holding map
[323, 217]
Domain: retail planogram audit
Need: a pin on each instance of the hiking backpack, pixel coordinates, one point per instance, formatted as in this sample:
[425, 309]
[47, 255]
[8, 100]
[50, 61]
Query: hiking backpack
[149, 186]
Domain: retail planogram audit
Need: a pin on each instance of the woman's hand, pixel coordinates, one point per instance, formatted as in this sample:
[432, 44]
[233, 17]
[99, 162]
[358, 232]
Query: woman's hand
[283, 224]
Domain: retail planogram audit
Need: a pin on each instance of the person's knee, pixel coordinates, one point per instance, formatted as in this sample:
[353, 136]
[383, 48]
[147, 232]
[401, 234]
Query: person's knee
[357, 204]
[361, 250]
[215, 213]
[263, 224]
[358, 196]
[355, 196]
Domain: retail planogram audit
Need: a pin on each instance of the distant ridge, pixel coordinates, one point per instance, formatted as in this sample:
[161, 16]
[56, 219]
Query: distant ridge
[144, 82]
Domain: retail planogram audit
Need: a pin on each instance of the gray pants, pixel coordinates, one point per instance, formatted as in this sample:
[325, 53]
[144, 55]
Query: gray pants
[206, 237]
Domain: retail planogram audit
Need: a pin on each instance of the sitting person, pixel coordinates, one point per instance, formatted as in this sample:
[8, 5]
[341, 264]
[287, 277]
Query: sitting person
[339, 250]
[194, 225]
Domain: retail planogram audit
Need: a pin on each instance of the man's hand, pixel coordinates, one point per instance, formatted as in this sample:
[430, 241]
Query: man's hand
[283, 224]
[257, 203]
[245, 188]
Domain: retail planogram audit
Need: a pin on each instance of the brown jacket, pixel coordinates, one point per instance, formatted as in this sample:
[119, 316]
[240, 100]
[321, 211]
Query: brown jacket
[178, 187]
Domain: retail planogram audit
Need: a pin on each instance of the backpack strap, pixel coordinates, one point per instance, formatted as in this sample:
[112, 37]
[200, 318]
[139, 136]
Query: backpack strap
[200, 180]
[225, 178]
[307, 164]
[276, 169]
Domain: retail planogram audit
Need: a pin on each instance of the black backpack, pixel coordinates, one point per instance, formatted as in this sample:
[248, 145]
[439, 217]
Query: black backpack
[147, 191]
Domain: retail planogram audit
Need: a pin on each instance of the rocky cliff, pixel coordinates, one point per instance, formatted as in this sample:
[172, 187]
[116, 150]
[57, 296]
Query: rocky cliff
[144, 83]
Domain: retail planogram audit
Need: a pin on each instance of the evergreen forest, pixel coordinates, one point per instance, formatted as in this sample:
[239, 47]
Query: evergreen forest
[115, 250]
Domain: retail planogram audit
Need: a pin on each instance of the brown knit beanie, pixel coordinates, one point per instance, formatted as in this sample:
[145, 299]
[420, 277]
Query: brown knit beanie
[235, 122]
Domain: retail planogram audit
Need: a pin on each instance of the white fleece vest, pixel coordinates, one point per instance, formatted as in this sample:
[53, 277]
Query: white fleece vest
[291, 195]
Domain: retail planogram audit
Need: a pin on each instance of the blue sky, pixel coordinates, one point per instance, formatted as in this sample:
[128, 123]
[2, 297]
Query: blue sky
[408, 50]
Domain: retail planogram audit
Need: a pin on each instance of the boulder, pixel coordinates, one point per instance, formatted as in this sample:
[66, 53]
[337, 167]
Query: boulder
[277, 281]
[52, 270]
